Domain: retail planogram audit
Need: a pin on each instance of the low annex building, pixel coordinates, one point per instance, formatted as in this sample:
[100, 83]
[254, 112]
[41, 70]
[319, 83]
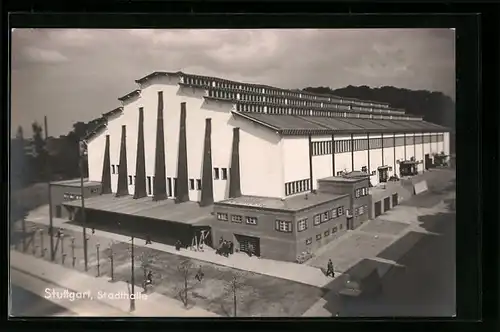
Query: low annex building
[268, 166]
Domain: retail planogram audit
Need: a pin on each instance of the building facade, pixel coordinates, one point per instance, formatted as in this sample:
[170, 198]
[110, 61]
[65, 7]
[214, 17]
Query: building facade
[203, 139]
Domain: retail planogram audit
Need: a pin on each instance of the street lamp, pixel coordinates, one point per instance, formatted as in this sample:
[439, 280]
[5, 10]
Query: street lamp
[41, 242]
[63, 255]
[98, 261]
[111, 260]
[132, 297]
[81, 154]
[73, 250]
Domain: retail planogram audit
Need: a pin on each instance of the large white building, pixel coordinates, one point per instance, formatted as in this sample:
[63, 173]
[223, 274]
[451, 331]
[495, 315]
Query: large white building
[284, 139]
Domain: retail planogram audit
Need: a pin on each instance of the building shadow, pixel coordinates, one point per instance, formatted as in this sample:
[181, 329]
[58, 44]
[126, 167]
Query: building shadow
[420, 283]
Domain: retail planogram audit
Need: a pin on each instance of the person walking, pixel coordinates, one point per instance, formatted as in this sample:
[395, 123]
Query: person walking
[199, 275]
[329, 269]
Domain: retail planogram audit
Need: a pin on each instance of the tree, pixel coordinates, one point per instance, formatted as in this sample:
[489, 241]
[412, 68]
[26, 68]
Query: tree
[184, 269]
[232, 288]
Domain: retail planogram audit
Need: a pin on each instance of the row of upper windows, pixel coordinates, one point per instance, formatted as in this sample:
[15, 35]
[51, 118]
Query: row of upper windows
[219, 174]
[361, 192]
[237, 218]
[328, 215]
[326, 233]
[305, 112]
[325, 147]
[295, 187]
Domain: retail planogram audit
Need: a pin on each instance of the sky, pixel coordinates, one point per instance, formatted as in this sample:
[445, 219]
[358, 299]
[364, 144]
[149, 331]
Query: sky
[73, 75]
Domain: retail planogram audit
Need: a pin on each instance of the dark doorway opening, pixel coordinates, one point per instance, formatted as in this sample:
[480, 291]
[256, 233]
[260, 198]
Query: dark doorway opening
[383, 174]
[387, 204]
[408, 168]
[394, 200]
[378, 208]
[248, 244]
[427, 161]
[59, 211]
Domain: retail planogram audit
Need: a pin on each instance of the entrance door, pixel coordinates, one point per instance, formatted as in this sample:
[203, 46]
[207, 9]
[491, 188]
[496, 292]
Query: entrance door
[58, 211]
[249, 244]
[427, 161]
[387, 204]
[394, 199]
[378, 208]
[382, 175]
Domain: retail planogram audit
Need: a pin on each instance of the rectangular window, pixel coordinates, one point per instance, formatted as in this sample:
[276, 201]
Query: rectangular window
[198, 184]
[251, 220]
[236, 219]
[283, 226]
[333, 213]
[222, 216]
[169, 188]
[216, 173]
[302, 225]
[361, 210]
[309, 241]
[130, 179]
[340, 210]
[149, 186]
[357, 193]
[334, 230]
[317, 220]
[318, 237]
[324, 217]
[327, 232]
[191, 184]
[113, 170]
[224, 173]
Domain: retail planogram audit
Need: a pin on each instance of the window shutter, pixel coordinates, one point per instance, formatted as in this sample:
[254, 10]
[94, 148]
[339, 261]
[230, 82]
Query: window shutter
[277, 225]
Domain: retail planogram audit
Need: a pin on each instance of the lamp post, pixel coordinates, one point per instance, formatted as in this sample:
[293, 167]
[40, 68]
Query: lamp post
[49, 190]
[73, 250]
[41, 242]
[111, 261]
[81, 154]
[23, 227]
[132, 278]
[98, 261]
[63, 255]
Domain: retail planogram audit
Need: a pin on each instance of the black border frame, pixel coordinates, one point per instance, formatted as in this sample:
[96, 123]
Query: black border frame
[476, 119]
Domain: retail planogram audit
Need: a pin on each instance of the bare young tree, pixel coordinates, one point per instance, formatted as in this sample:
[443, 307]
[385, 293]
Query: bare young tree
[184, 269]
[233, 288]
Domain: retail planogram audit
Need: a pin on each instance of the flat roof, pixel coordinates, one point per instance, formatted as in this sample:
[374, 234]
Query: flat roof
[344, 179]
[300, 125]
[290, 204]
[187, 213]
[75, 183]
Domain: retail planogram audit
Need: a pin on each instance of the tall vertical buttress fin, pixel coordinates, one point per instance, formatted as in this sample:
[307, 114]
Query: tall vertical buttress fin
[106, 170]
[182, 162]
[140, 166]
[122, 187]
[234, 176]
[159, 182]
[207, 187]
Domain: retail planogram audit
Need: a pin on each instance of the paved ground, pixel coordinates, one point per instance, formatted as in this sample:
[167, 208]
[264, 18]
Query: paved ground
[258, 295]
[28, 304]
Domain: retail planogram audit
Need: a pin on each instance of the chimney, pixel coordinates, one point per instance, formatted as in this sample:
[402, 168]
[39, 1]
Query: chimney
[140, 166]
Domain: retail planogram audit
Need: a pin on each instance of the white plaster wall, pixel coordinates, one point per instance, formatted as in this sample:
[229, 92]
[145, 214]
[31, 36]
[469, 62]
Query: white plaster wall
[447, 143]
[360, 157]
[321, 138]
[427, 146]
[375, 162]
[342, 160]
[95, 149]
[260, 152]
[295, 158]
[435, 145]
[322, 168]
[420, 157]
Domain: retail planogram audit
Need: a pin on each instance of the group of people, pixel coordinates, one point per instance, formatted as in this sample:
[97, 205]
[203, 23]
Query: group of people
[225, 248]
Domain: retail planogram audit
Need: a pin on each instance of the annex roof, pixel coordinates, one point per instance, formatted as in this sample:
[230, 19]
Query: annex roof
[187, 213]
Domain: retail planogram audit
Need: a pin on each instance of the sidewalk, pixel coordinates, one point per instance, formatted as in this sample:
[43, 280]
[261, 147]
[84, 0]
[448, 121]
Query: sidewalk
[103, 292]
[301, 273]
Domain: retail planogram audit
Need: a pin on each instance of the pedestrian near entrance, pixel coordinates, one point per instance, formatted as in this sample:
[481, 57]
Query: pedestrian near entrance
[178, 245]
[329, 269]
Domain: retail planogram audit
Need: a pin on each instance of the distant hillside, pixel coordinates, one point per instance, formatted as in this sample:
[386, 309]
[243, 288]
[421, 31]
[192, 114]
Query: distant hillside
[434, 107]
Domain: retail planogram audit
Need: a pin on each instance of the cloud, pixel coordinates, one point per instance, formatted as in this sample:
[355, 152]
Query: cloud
[95, 66]
[39, 55]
